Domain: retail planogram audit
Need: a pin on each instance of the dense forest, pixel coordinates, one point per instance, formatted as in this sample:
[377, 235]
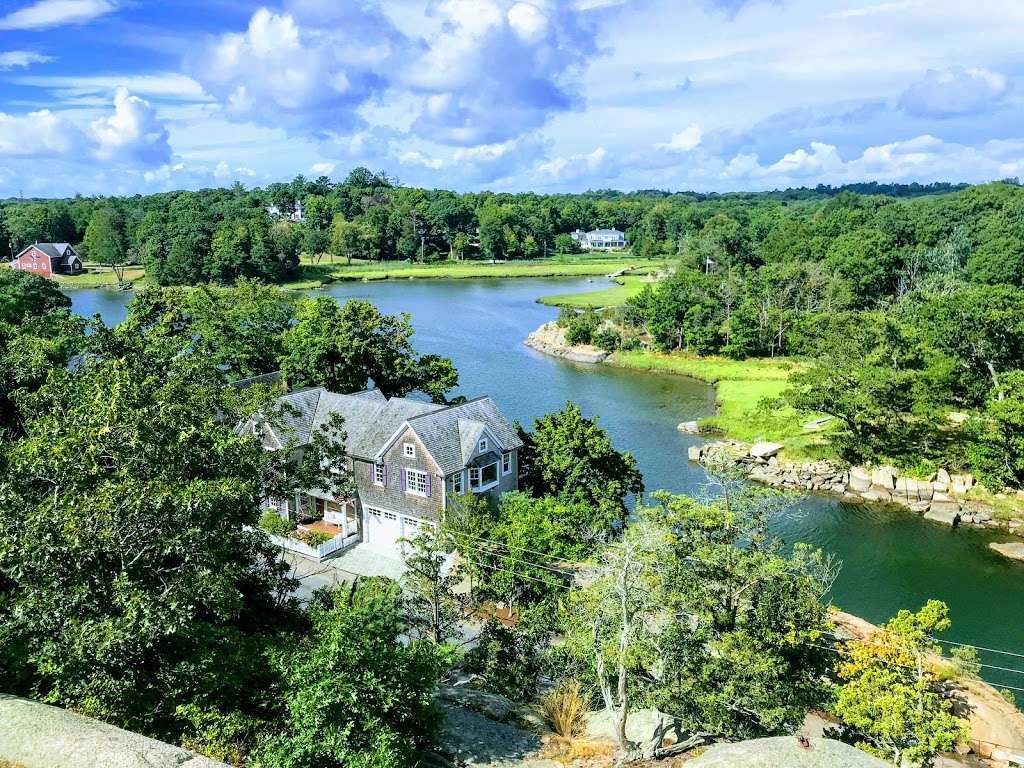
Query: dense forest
[218, 235]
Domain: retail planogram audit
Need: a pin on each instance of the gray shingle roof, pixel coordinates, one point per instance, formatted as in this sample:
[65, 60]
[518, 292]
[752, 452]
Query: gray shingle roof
[449, 433]
[442, 432]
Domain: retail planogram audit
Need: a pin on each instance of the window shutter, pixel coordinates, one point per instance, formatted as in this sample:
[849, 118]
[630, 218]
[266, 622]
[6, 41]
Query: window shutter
[385, 474]
[404, 484]
[429, 478]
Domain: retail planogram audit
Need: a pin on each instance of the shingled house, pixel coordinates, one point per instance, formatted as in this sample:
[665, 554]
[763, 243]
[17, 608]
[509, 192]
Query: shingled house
[409, 460]
[48, 259]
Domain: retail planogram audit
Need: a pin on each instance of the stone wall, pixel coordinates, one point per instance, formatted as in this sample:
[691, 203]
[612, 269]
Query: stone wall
[943, 498]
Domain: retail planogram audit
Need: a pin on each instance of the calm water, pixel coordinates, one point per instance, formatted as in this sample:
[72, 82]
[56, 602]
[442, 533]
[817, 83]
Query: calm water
[891, 559]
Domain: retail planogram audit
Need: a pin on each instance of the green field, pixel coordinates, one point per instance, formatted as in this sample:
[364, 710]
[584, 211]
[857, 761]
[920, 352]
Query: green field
[562, 265]
[741, 386]
[95, 276]
[625, 287]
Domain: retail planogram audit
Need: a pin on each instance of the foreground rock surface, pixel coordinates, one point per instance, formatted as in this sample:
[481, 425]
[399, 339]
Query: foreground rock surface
[37, 735]
[785, 752]
[1011, 549]
[550, 339]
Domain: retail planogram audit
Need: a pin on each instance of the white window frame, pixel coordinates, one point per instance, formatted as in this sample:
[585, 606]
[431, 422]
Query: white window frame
[389, 516]
[506, 458]
[409, 450]
[420, 481]
[479, 472]
[458, 483]
[481, 447]
[380, 473]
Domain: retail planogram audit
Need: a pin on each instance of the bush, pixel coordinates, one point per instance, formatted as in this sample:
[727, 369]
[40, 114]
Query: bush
[272, 522]
[565, 316]
[582, 328]
[965, 661]
[564, 243]
[313, 538]
[506, 661]
[607, 339]
[565, 708]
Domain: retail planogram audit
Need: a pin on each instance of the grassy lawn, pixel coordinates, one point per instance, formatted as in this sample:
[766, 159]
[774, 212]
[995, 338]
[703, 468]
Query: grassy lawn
[625, 288]
[740, 385]
[560, 265]
[94, 276]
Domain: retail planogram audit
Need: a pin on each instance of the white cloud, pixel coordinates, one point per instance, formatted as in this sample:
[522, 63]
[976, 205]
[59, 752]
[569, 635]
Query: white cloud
[820, 160]
[38, 134]
[223, 171]
[413, 157]
[308, 78]
[53, 13]
[497, 69]
[322, 168]
[685, 140]
[574, 167]
[168, 85]
[12, 59]
[954, 91]
[133, 133]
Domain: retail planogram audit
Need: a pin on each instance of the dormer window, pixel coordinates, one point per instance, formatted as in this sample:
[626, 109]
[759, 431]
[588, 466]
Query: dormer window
[409, 450]
[482, 445]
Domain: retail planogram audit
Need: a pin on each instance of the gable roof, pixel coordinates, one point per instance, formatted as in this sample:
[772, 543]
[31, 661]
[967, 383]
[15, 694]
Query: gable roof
[450, 435]
[63, 252]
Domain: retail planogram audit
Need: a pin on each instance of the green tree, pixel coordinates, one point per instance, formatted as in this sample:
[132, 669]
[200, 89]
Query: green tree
[887, 693]
[997, 449]
[104, 241]
[570, 456]
[434, 609]
[343, 347]
[355, 694]
[134, 579]
[350, 239]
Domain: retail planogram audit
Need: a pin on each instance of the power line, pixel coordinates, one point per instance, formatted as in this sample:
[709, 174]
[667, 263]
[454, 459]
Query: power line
[980, 648]
[517, 574]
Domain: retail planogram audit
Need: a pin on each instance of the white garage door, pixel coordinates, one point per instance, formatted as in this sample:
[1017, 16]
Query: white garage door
[383, 529]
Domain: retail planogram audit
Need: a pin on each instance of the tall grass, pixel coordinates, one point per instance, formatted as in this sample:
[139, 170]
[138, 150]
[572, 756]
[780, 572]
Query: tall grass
[565, 707]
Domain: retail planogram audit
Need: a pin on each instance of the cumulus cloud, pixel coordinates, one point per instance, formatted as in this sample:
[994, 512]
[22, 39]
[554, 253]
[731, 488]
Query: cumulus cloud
[498, 68]
[685, 140]
[133, 133]
[309, 78]
[499, 160]
[13, 59]
[38, 134]
[54, 13]
[223, 171]
[954, 91]
[322, 168]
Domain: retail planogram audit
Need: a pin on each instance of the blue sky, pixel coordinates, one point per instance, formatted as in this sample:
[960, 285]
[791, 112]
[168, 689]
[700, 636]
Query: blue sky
[123, 96]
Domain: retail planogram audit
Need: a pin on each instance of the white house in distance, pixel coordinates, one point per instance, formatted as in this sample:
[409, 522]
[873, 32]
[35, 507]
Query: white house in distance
[297, 213]
[600, 238]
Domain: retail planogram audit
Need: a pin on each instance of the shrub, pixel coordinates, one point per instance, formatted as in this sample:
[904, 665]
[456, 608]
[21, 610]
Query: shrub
[565, 316]
[506, 661]
[607, 339]
[1009, 696]
[965, 661]
[223, 737]
[582, 328]
[564, 707]
[272, 522]
[313, 538]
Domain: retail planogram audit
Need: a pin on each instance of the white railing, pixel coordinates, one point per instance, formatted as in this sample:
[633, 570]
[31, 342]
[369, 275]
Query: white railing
[319, 552]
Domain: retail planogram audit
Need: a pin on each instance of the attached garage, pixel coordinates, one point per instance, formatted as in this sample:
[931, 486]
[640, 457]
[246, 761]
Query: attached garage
[381, 529]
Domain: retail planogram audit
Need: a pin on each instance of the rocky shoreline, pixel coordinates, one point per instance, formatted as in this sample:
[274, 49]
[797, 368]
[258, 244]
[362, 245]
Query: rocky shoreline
[943, 498]
[550, 339]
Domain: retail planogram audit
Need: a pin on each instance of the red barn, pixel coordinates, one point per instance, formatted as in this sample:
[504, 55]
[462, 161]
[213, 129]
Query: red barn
[48, 259]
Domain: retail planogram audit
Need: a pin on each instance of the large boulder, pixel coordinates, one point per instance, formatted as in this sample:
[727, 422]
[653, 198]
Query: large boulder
[764, 450]
[489, 705]
[884, 477]
[37, 735]
[940, 512]
[860, 479]
[786, 752]
[693, 453]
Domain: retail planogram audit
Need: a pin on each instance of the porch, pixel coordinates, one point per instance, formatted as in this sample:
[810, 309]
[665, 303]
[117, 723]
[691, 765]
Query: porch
[325, 526]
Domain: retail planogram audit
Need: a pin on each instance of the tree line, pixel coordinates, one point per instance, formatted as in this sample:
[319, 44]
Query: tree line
[219, 235]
